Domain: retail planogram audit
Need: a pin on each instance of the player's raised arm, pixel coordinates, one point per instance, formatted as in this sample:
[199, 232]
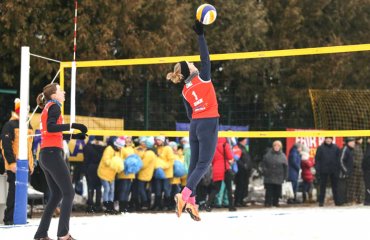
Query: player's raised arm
[205, 71]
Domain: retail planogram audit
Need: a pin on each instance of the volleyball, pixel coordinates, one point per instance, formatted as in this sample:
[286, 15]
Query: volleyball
[206, 14]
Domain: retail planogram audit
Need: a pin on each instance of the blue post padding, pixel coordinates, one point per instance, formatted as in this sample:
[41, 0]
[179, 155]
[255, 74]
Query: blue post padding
[21, 181]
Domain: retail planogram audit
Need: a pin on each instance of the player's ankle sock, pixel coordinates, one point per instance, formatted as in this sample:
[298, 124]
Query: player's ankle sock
[191, 200]
[186, 192]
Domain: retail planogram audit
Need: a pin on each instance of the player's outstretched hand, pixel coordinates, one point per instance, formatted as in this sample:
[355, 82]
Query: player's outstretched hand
[198, 28]
[80, 127]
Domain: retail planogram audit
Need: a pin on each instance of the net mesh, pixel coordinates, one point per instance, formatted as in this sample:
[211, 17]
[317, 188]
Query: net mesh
[341, 109]
[157, 104]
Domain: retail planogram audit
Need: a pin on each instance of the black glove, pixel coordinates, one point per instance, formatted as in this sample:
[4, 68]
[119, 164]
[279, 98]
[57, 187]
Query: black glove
[80, 127]
[198, 28]
[79, 136]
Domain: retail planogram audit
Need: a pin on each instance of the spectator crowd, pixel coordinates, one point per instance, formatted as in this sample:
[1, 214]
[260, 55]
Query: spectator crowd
[163, 167]
[126, 174]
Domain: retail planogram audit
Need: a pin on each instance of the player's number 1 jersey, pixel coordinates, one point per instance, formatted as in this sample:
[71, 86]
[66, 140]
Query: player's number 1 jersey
[201, 96]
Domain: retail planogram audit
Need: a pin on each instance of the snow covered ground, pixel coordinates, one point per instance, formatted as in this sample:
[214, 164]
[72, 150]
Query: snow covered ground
[273, 223]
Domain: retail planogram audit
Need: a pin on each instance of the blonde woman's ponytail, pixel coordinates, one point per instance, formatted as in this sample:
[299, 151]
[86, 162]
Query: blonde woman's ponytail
[175, 76]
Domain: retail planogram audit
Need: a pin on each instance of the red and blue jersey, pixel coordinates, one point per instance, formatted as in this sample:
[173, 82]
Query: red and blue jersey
[201, 96]
[50, 139]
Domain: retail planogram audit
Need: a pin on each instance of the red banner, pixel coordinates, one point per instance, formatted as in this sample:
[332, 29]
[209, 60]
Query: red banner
[311, 142]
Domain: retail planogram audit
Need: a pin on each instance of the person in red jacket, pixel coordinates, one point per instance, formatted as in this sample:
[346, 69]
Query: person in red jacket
[307, 174]
[220, 165]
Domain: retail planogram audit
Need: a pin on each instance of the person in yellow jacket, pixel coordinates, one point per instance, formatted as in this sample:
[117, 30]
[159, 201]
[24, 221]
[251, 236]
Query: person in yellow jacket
[145, 175]
[9, 149]
[166, 159]
[176, 181]
[185, 150]
[110, 164]
[124, 181]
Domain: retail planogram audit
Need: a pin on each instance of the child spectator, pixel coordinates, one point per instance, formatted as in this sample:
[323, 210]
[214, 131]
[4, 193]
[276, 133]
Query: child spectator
[307, 174]
[110, 164]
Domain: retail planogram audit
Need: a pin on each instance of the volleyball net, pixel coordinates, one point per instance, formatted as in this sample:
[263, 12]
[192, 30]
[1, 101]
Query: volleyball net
[149, 116]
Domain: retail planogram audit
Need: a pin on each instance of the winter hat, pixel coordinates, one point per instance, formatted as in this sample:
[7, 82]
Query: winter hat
[172, 144]
[162, 138]
[90, 139]
[120, 142]
[277, 142]
[305, 155]
[142, 139]
[111, 140]
[350, 139]
[17, 105]
[298, 145]
[185, 139]
[99, 138]
[185, 72]
[149, 142]
[305, 149]
[241, 139]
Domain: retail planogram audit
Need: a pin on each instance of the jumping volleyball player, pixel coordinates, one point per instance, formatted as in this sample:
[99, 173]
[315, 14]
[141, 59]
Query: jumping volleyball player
[52, 161]
[202, 109]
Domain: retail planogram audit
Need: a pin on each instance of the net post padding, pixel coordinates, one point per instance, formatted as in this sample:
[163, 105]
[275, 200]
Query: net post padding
[21, 182]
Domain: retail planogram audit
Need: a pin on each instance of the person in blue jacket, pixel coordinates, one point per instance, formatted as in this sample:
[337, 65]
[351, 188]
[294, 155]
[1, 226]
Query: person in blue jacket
[294, 166]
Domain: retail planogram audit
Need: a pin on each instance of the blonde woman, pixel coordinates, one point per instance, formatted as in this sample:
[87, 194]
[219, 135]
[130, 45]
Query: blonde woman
[202, 109]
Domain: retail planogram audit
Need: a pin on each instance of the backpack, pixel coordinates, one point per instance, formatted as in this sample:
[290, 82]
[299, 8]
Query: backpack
[38, 180]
